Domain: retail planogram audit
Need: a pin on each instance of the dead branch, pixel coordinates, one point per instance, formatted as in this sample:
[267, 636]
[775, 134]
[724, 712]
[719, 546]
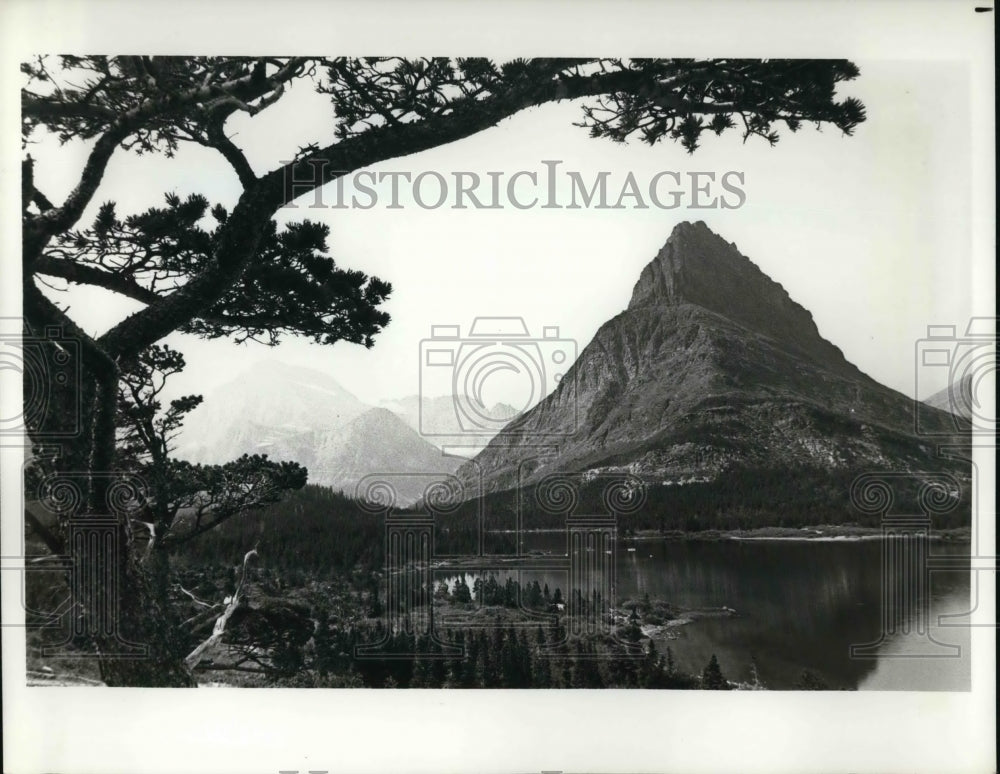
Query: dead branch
[220, 623]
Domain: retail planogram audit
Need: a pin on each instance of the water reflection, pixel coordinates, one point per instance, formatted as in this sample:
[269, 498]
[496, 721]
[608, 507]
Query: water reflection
[800, 604]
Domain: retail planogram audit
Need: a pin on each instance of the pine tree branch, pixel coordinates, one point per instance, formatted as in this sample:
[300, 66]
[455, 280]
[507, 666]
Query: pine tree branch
[90, 275]
[39, 229]
[240, 236]
[218, 140]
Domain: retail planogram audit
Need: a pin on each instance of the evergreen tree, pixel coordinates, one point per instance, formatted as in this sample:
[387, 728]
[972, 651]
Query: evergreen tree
[461, 593]
[566, 673]
[375, 608]
[621, 669]
[439, 667]
[422, 665]
[490, 661]
[541, 665]
[651, 671]
[586, 673]
[712, 678]
[809, 681]
[534, 596]
[633, 632]
[323, 643]
[470, 672]
[523, 660]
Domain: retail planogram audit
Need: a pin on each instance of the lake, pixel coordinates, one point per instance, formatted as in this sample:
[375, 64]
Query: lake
[800, 605]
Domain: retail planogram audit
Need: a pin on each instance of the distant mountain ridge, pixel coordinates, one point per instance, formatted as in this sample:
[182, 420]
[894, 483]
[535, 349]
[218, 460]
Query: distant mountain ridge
[956, 398]
[299, 414]
[711, 367]
[438, 412]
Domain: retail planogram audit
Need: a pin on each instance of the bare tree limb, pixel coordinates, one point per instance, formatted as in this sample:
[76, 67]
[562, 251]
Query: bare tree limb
[220, 624]
[195, 599]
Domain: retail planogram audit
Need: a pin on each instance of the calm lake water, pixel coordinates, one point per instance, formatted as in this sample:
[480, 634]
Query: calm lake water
[800, 605]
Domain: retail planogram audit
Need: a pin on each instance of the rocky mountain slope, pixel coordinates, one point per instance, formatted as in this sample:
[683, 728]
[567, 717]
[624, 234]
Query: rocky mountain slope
[711, 368]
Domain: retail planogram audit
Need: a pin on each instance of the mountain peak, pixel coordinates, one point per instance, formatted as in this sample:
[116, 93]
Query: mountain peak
[712, 368]
[272, 370]
[697, 266]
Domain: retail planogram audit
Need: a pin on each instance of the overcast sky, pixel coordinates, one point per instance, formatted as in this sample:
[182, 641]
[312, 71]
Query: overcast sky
[870, 233]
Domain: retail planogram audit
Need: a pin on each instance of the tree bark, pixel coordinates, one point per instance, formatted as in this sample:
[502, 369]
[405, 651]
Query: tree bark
[144, 618]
